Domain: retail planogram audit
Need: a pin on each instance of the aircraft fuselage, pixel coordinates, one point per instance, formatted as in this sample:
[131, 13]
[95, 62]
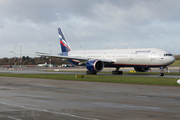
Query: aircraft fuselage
[151, 57]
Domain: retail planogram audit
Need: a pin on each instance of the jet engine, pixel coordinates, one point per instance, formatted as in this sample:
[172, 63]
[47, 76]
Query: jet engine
[141, 69]
[95, 65]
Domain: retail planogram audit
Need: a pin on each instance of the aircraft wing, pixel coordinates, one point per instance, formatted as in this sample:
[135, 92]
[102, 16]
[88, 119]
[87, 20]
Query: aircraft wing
[82, 59]
[61, 56]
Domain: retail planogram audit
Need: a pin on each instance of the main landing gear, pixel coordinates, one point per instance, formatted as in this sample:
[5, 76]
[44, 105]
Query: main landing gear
[91, 72]
[117, 72]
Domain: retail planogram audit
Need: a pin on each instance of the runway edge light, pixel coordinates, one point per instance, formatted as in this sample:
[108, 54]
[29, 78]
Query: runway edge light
[178, 81]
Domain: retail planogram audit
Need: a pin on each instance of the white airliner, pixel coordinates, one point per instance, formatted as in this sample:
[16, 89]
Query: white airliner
[141, 59]
[43, 65]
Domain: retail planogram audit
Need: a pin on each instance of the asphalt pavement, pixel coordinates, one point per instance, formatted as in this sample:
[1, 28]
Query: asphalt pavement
[39, 99]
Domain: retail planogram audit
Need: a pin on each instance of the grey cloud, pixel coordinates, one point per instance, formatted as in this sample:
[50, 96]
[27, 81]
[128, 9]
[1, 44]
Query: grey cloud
[45, 10]
[140, 11]
[131, 12]
[92, 24]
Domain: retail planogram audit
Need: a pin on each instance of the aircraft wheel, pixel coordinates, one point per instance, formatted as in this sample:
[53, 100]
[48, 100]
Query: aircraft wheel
[91, 72]
[161, 74]
[117, 72]
[94, 73]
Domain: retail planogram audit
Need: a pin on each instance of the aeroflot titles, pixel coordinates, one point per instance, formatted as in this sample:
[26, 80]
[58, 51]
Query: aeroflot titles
[145, 52]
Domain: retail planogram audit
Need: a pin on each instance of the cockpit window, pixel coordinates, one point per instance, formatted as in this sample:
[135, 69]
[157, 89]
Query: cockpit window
[168, 54]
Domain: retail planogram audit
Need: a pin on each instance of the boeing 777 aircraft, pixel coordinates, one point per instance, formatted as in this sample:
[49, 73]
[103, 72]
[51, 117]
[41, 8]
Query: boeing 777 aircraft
[141, 59]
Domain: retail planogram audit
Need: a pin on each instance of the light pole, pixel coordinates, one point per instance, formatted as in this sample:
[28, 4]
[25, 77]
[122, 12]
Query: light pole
[14, 57]
[50, 58]
[20, 57]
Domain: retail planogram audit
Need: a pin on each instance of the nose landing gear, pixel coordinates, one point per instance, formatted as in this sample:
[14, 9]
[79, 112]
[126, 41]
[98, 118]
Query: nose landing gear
[162, 70]
[161, 74]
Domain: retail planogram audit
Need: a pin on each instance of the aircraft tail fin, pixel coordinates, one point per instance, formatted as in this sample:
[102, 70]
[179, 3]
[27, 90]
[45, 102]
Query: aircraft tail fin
[63, 42]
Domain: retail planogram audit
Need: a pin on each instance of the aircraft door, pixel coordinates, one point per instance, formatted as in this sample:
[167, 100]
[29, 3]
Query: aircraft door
[104, 55]
[131, 56]
[153, 56]
[84, 55]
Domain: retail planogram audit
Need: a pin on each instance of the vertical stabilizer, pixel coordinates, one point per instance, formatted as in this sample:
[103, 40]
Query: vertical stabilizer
[63, 42]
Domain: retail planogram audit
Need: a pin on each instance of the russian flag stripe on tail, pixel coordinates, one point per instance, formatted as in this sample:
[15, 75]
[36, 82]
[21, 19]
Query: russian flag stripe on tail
[64, 44]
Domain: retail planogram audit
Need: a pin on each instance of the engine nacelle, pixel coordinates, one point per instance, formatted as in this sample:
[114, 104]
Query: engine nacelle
[141, 69]
[95, 65]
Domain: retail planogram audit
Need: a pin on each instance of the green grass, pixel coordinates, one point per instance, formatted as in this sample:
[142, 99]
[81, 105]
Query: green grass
[152, 73]
[162, 81]
[137, 73]
[176, 63]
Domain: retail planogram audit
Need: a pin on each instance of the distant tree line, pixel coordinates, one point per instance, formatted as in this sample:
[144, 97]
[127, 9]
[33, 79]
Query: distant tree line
[177, 57]
[30, 61]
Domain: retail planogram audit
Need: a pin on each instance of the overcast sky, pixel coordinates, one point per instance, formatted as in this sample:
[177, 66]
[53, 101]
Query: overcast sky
[91, 24]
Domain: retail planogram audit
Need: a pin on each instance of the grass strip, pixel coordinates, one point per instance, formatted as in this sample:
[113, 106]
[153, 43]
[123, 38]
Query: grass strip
[152, 73]
[128, 73]
[162, 81]
[176, 63]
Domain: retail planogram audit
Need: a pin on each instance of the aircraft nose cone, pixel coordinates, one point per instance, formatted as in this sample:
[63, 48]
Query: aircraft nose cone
[169, 60]
[172, 60]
